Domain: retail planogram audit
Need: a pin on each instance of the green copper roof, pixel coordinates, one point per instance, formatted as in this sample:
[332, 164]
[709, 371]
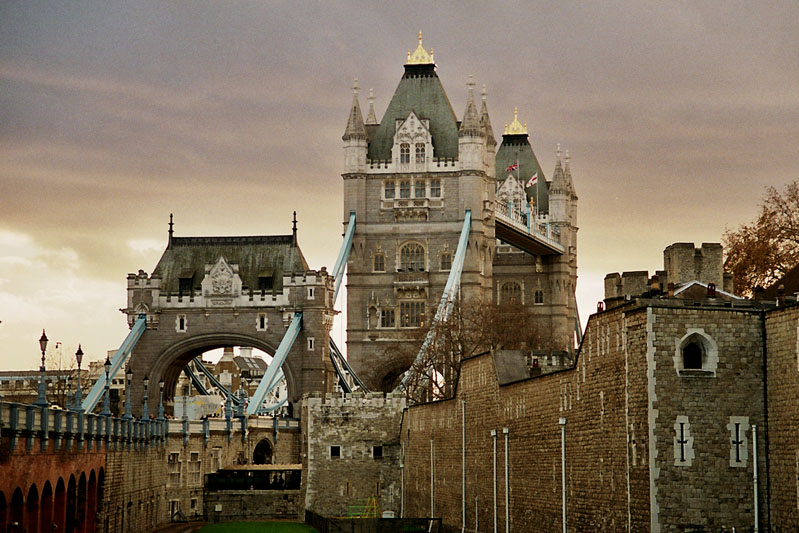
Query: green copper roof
[419, 91]
[268, 255]
[516, 148]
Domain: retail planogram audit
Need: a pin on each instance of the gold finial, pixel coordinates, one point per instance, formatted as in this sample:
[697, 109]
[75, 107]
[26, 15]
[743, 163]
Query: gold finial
[515, 127]
[420, 55]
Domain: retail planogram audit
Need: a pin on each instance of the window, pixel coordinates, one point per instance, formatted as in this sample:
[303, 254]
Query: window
[412, 314]
[310, 293]
[377, 452]
[435, 188]
[412, 258]
[510, 293]
[184, 287]
[310, 344]
[261, 323]
[194, 468]
[405, 189]
[738, 427]
[446, 261]
[173, 468]
[420, 189]
[419, 153]
[335, 451]
[194, 504]
[181, 323]
[264, 284]
[386, 318]
[379, 263]
[692, 356]
[389, 190]
[405, 153]
[538, 297]
[683, 442]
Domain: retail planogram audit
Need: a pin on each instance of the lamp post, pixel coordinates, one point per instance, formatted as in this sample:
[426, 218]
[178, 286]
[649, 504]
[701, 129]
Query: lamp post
[144, 412]
[161, 400]
[41, 399]
[106, 397]
[78, 393]
[128, 379]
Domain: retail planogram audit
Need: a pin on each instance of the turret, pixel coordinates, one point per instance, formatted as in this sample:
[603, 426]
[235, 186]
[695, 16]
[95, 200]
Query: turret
[354, 137]
[471, 143]
[559, 194]
[490, 156]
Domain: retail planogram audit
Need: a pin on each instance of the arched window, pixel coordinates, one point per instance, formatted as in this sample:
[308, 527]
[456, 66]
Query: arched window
[405, 189]
[389, 190]
[380, 263]
[419, 153]
[510, 292]
[412, 258]
[446, 261]
[420, 188]
[692, 356]
[405, 153]
[435, 188]
[538, 296]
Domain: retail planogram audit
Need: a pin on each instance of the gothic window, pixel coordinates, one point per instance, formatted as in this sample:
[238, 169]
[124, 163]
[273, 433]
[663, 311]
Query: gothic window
[538, 297]
[420, 188]
[419, 153]
[379, 263]
[310, 293]
[446, 261]
[181, 323]
[510, 292]
[692, 356]
[435, 189]
[412, 258]
[310, 343]
[260, 325]
[405, 189]
[386, 318]
[412, 314]
[389, 190]
[405, 153]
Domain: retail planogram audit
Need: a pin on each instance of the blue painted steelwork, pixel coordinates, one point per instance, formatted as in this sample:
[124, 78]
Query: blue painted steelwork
[335, 353]
[195, 380]
[215, 382]
[343, 254]
[277, 362]
[446, 303]
[117, 362]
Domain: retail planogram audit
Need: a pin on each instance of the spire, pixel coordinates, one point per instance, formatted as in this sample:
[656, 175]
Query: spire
[420, 55]
[355, 128]
[485, 122]
[371, 118]
[171, 224]
[567, 173]
[294, 230]
[515, 127]
[470, 126]
[559, 184]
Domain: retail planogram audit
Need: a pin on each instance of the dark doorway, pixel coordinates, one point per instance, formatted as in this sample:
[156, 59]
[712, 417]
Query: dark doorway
[263, 453]
[46, 508]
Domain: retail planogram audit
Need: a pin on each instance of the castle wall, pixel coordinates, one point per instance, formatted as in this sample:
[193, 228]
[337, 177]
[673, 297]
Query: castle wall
[333, 481]
[782, 327]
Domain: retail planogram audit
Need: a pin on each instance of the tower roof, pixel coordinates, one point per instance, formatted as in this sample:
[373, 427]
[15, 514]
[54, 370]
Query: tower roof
[420, 91]
[485, 121]
[355, 128]
[471, 121]
[516, 148]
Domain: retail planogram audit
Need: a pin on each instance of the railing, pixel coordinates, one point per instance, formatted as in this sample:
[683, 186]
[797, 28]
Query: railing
[412, 277]
[521, 221]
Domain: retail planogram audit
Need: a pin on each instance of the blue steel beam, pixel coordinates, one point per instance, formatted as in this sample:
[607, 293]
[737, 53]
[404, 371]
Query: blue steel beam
[277, 362]
[447, 299]
[343, 254]
[198, 385]
[215, 382]
[117, 362]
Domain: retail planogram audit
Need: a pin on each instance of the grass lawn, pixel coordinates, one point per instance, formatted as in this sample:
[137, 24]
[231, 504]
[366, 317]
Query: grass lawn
[247, 527]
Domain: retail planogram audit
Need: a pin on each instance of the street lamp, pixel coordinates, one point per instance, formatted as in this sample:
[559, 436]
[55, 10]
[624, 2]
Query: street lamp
[78, 393]
[161, 400]
[128, 379]
[106, 398]
[144, 412]
[41, 399]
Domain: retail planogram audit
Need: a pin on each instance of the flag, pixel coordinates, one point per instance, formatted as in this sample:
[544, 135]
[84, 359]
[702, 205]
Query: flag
[533, 179]
[512, 167]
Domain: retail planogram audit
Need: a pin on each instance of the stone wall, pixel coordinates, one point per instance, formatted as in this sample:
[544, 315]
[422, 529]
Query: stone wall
[783, 417]
[366, 460]
[229, 506]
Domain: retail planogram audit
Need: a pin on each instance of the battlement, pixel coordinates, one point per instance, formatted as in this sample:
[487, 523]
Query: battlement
[393, 401]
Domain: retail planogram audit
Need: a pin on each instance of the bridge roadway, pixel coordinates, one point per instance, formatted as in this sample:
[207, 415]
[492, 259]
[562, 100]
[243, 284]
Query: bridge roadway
[72, 471]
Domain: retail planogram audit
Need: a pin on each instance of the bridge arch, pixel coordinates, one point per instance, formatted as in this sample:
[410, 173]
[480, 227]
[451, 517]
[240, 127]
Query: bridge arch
[32, 510]
[263, 454]
[170, 362]
[46, 512]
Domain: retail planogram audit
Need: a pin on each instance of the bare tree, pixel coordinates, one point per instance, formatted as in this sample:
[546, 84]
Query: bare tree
[760, 253]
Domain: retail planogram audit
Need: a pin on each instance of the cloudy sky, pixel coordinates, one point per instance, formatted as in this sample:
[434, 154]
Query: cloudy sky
[230, 115]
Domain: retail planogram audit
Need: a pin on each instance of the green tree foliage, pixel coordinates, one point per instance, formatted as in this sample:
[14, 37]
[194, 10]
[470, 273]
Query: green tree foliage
[761, 252]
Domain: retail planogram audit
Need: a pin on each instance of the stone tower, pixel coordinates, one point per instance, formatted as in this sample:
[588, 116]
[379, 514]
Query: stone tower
[410, 178]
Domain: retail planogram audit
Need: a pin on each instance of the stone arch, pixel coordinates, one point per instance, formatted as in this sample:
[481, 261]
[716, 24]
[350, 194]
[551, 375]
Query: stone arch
[412, 256]
[72, 493]
[81, 503]
[175, 357]
[60, 505]
[263, 454]
[696, 351]
[17, 511]
[32, 510]
[390, 376]
[46, 508]
[91, 502]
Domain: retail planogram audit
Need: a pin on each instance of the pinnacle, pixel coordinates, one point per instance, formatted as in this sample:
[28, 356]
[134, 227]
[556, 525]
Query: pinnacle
[471, 121]
[355, 127]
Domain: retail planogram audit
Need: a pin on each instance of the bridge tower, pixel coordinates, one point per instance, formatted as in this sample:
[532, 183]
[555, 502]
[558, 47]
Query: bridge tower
[410, 179]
